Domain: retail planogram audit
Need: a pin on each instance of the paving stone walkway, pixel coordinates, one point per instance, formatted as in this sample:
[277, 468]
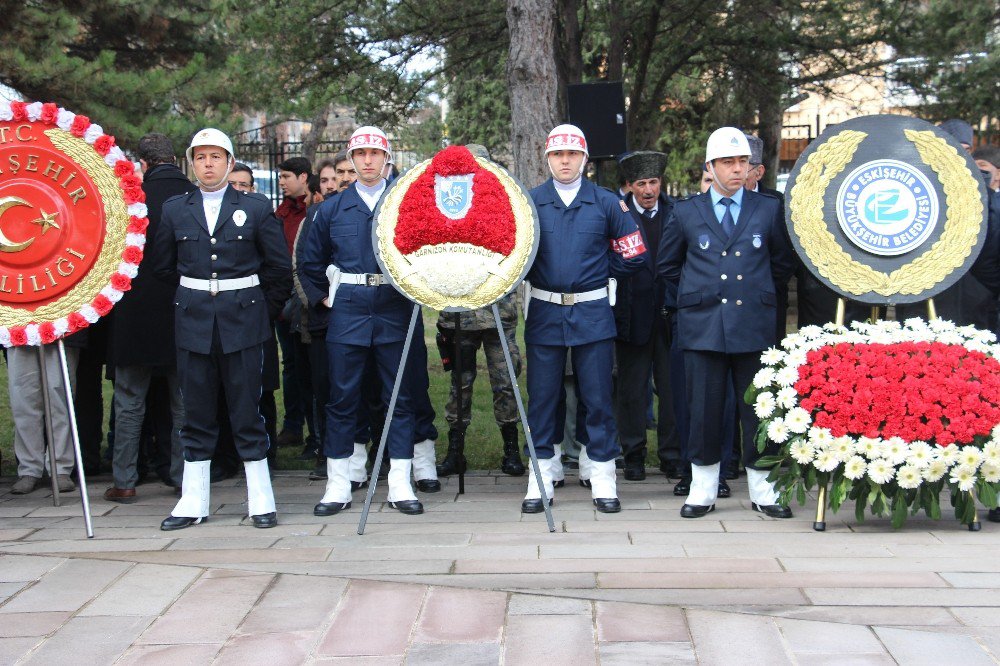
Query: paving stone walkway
[472, 581]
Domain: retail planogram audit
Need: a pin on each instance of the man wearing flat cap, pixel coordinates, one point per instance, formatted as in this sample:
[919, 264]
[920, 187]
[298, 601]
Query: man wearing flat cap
[642, 346]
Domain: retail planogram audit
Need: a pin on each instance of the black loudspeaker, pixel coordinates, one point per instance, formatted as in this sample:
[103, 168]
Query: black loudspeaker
[599, 110]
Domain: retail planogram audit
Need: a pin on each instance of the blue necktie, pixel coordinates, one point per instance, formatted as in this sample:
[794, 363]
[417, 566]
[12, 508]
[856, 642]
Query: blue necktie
[728, 223]
[648, 214]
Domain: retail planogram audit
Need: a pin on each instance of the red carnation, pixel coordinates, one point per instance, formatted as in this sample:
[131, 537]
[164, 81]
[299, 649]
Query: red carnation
[20, 111]
[137, 225]
[121, 282]
[134, 195]
[129, 179]
[50, 112]
[18, 336]
[79, 126]
[47, 332]
[102, 305]
[124, 168]
[132, 255]
[104, 144]
[77, 321]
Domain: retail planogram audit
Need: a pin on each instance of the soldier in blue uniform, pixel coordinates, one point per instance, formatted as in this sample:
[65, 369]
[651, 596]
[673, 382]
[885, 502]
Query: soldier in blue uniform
[368, 319]
[226, 250]
[587, 235]
[725, 251]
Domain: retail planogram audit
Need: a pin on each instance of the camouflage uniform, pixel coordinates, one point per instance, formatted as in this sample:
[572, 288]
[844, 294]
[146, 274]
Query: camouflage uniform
[478, 328]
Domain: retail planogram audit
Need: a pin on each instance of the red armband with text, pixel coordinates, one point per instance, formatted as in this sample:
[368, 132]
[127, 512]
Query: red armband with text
[629, 246]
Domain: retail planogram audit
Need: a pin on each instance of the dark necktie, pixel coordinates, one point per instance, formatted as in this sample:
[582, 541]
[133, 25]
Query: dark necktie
[648, 214]
[728, 223]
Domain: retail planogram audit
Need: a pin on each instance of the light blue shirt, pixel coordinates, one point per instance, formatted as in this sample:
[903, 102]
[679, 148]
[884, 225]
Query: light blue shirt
[720, 208]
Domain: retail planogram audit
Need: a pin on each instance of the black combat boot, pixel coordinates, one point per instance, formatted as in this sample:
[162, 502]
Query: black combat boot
[510, 463]
[454, 459]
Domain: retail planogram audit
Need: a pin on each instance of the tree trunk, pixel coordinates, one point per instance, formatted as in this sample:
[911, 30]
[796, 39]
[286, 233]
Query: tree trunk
[533, 83]
[769, 130]
[315, 134]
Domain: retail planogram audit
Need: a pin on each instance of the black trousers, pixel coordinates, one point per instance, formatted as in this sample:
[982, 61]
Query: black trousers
[636, 363]
[238, 375]
[707, 375]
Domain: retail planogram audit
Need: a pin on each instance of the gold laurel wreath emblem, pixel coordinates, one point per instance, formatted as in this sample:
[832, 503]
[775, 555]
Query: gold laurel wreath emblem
[961, 228]
[116, 222]
[412, 283]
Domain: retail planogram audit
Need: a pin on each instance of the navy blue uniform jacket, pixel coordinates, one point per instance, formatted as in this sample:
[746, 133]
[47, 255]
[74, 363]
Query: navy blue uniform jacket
[183, 246]
[575, 255]
[341, 234]
[726, 300]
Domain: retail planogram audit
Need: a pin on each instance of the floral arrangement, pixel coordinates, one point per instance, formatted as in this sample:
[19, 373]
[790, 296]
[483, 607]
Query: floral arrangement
[79, 126]
[885, 414]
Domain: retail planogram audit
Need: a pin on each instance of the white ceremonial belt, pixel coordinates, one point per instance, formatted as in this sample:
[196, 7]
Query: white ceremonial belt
[215, 286]
[367, 279]
[568, 299]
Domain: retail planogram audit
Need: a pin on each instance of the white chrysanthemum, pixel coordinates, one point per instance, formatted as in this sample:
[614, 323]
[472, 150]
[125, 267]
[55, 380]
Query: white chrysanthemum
[791, 341]
[990, 472]
[826, 461]
[949, 454]
[855, 468]
[869, 447]
[995, 433]
[991, 453]
[915, 323]
[920, 454]
[796, 357]
[65, 119]
[6, 113]
[61, 326]
[820, 437]
[763, 407]
[909, 477]
[969, 456]
[881, 471]
[787, 397]
[4, 331]
[777, 431]
[895, 450]
[843, 448]
[772, 356]
[935, 470]
[34, 337]
[964, 476]
[798, 420]
[763, 378]
[139, 240]
[940, 325]
[89, 313]
[34, 111]
[138, 210]
[801, 452]
[786, 376]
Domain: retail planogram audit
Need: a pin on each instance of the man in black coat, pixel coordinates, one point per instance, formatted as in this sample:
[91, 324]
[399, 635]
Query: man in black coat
[642, 346]
[227, 252]
[142, 337]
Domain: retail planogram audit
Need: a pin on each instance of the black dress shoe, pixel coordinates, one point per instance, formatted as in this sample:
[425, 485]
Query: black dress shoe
[330, 508]
[682, 488]
[772, 510]
[429, 485]
[180, 522]
[634, 471]
[993, 516]
[318, 473]
[724, 491]
[559, 484]
[696, 510]
[611, 505]
[732, 471]
[358, 485]
[265, 520]
[409, 507]
[533, 505]
[585, 483]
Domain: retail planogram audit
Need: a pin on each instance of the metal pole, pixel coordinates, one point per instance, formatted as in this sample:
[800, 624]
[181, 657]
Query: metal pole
[841, 312]
[524, 419]
[820, 523]
[457, 382]
[931, 310]
[388, 418]
[49, 435]
[84, 498]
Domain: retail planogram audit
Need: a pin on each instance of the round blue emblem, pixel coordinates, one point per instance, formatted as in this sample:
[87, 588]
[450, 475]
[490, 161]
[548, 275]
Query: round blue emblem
[887, 207]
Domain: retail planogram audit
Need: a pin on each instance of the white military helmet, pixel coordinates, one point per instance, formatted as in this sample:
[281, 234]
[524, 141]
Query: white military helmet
[566, 137]
[210, 137]
[727, 142]
[369, 137]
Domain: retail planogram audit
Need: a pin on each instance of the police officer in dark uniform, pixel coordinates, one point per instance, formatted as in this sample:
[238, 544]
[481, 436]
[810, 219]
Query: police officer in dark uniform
[725, 250]
[226, 250]
[368, 320]
[586, 237]
[642, 347]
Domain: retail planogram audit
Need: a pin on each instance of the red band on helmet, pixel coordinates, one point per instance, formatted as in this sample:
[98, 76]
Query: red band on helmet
[566, 142]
